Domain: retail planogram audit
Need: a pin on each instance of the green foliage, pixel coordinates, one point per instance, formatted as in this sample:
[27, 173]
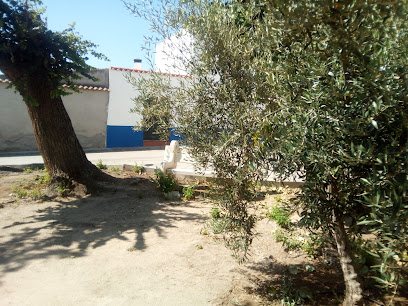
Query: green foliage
[31, 52]
[313, 244]
[165, 182]
[63, 188]
[20, 191]
[288, 294]
[28, 170]
[44, 179]
[36, 193]
[313, 88]
[139, 169]
[101, 165]
[280, 215]
[31, 169]
[114, 169]
[215, 213]
[383, 266]
[188, 192]
[29, 190]
[32, 189]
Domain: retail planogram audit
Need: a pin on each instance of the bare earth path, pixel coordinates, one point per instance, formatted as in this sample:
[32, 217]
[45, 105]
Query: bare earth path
[124, 246]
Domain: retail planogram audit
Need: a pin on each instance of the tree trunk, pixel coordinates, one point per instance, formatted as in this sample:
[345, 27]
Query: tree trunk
[56, 140]
[63, 156]
[353, 285]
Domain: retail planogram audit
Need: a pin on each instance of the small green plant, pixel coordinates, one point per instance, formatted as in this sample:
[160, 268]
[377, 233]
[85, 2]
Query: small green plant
[20, 192]
[27, 170]
[280, 215]
[313, 244]
[139, 169]
[114, 169]
[30, 190]
[30, 169]
[165, 182]
[218, 223]
[215, 212]
[43, 179]
[36, 193]
[188, 192]
[101, 165]
[63, 188]
[288, 239]
[288, 294]
[131, 249]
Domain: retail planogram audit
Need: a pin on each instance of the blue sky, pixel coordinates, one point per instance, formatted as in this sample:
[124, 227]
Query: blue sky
[106, 23]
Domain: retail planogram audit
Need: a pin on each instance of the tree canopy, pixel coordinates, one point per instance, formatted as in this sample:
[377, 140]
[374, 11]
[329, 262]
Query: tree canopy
[28, 48]
[39, 62]
[313, 88]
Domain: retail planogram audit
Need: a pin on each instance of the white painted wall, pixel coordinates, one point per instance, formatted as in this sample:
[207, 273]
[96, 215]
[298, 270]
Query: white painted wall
[122, 93]
[87, 110]
[172, 53]
[16, 132]
[120, 99]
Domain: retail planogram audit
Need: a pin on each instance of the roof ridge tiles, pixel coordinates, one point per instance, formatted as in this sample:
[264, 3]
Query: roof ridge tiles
[148, 71]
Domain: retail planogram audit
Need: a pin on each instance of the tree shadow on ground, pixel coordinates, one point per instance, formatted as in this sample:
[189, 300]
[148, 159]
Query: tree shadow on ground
[71, 227]
[273, 281]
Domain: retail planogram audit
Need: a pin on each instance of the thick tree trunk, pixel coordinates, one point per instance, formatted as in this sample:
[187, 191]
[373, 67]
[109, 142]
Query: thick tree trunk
[353, 286]
[63, 156]
[56, 140]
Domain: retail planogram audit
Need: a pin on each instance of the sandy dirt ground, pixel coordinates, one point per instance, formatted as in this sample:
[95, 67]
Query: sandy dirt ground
[115, 248]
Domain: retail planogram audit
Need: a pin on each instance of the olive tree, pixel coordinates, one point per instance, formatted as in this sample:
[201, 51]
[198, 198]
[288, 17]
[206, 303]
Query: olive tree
[342, 122]
[317, 88]
[39, 62]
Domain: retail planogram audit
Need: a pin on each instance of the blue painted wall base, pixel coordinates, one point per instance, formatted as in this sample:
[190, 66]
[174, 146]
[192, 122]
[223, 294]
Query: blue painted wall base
[123, 136]
[174, 135]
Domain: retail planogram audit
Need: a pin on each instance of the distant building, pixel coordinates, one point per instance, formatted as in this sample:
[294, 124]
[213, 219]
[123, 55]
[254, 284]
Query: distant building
[87, 110]
[100, 113]
[120, 132]
[172, 53]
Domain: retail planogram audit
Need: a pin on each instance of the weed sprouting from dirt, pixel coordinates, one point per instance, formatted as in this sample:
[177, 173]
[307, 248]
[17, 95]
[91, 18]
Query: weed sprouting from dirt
[101, 165]
[139, 169]
[165, 182]
[281, 215]
[33, 189]
[188, 193]
[114, 169]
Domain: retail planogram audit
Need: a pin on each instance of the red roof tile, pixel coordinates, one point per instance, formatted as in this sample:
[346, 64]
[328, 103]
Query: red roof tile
[97, 88]
[5, 81]
[148, 71]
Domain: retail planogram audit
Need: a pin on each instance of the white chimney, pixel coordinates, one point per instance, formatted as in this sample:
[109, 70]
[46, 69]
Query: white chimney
[137, 64]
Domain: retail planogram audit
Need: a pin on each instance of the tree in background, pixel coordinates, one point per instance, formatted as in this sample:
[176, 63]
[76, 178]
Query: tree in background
[39, 61]
[314, 88]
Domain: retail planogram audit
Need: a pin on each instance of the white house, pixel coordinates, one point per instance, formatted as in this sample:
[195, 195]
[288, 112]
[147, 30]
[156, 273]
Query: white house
[120, 132]
[172, 53]
[87, 110]
[100, 114]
